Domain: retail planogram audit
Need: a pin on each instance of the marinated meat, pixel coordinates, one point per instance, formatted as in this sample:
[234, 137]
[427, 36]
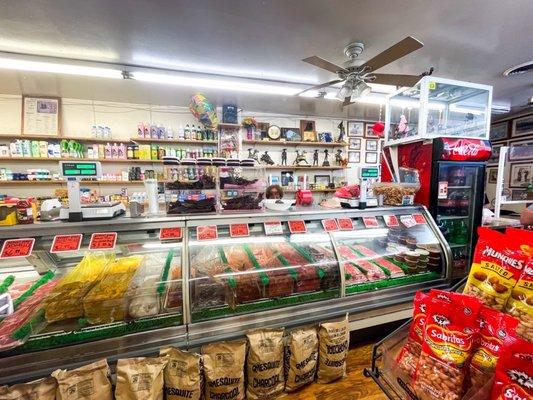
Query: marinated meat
[393, 268]
[308, 279]
[372, 271]
[280, 283]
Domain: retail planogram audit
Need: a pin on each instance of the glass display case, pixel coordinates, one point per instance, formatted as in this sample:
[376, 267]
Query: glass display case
[242, 189]
[438, 107]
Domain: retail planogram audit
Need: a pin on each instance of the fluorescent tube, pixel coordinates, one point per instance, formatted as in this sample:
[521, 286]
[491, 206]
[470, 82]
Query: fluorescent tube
[58, 68]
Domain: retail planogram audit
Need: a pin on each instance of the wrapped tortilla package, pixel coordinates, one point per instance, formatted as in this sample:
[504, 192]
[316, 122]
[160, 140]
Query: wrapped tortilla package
[334, 342]
[183, 374]
[41, 389]
[140, 378]
[90, 382]
[301, 356]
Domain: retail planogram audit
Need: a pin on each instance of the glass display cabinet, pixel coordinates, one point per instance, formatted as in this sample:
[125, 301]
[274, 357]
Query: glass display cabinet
[438, 107]
[242, 189]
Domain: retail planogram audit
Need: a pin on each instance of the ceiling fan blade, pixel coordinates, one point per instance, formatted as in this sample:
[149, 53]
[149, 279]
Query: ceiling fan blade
[396, 80]
[347, 101]
[324, 64]
[400, 49]
[320, 86]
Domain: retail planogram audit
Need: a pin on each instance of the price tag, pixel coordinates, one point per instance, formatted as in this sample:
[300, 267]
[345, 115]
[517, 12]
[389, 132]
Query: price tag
[297, 226]
[207, 232]
[13, 248]
[443, 190]
[391, 220]
[64, 243]
[408, 221]
[170, 233]
[330, 225]
[370, 222]
[345, 224]
[239, 230]
[419, 219]
[273, 228]
[103, 241]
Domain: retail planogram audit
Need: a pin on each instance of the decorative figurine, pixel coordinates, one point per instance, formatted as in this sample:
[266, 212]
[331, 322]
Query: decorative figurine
[315, 158]
[253, 154]
[300, 158]
[284, 157]
[340, 139]
[265, 158]
[338, 157]
[325, 163]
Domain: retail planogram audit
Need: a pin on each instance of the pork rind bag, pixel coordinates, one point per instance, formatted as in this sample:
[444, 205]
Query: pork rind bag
[496, 268]
[333, 345]
[301, 356]
[408, 357]
[140, 378]
[224, 370]
[449, 335]
[183, 374]
[41, 389]
[264, 367]
[90, 382]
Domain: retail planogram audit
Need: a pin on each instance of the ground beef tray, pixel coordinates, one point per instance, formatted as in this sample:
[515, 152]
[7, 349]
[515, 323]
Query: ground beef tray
[308, 279]
[280, 284]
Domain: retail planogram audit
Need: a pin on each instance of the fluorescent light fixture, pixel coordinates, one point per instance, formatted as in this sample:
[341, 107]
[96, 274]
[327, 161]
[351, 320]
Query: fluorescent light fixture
[58, 68]
[466, 110]
[238, 85]
[230, 241]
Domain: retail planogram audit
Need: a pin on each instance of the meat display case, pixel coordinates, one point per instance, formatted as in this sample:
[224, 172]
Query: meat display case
[213, 277]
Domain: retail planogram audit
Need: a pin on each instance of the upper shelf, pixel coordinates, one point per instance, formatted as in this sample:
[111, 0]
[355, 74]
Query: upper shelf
[105, 160]
[294, 167]
[285, 143]
[229, 126]
[176, 141]
[58, 138]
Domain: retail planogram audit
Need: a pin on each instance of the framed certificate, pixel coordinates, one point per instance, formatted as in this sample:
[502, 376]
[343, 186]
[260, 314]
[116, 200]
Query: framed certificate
[41, 116]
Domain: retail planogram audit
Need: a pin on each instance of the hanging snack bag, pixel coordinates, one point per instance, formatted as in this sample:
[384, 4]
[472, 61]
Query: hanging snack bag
[224, 370]
[497, 266]
[449, 335]
[90, 382]
[264, 367]
[41, 389]
[408, 357]
[183, 374]
[334, 342]
[301, 356]
[140, 378]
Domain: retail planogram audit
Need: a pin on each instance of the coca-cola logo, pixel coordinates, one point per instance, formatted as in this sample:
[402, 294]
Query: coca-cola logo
[464, 149]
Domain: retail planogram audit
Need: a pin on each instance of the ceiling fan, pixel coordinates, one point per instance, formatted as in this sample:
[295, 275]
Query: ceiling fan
[356, 73]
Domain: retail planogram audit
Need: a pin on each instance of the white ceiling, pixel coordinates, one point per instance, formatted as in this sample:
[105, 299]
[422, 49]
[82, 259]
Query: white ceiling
[472, 40]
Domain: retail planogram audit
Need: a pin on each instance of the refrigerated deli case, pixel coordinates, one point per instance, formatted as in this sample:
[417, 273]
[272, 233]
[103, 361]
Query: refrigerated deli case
[190, 280]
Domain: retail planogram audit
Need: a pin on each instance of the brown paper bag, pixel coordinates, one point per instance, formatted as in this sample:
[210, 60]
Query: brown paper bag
[334, 341]
[90, 382]
[301, 355]
[41, 389]
[140, 378]
[224, 370]
[183, 374]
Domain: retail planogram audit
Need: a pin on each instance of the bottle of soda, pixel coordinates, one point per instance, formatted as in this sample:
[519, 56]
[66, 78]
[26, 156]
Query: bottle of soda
[461, 232]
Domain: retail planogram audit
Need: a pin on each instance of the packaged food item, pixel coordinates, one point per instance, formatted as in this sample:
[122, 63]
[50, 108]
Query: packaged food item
[301, 356]
[449, 335]
[90, 382]
[140, 378]
[264, 366]
[41, 389]
[408, 357]
[369, 269]
[334, 342]
[514, 372]
[391, 269]
[183, 374]
[396, 194]
[224, 370]
[497, 266]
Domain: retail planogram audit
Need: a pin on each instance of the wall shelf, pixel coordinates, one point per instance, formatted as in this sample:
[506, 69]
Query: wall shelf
[228, 126]
[104, 160]
[174, 141]
[293, 144]
[62, 182]
[312, 190]
[310, 168]
[59, 138]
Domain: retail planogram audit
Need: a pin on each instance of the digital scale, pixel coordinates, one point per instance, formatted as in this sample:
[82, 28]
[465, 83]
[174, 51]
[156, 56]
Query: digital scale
[367, 175]
[74, 172]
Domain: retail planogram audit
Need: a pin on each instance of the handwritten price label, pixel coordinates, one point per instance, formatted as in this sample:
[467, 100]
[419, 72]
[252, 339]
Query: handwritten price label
[103, 241]
[345, 224]
[419, 219]
[239, 230]
[13, 248]
[207, 232]
[330, 225]
[170, 233]
[273, 228]
[370, 222]
[297, 226]
[391, 220]
[63, 243]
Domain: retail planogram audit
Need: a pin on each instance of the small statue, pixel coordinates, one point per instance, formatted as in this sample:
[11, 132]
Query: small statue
[340, 139]
[284, 157]
[300, 158]
[265, 158]
[315, 158]
[338, 157]
[253, 154]
[325, 163]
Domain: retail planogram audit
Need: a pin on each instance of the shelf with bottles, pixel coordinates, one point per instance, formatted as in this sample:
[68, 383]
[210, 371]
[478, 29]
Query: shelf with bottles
[294, 143]
[456, 232]
[197, 142]
[311, 168]
[56, 159]
[63, 182]
[59, 138]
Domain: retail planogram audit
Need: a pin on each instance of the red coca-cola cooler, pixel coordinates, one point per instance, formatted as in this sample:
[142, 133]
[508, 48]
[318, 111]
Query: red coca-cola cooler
[452, 181]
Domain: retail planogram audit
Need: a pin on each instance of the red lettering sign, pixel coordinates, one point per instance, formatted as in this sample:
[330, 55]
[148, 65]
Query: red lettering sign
[391, 220]
[207, 232]
[103, 241]
[170, 233]
[370, 222]
[419, 219]
[330, 225]
[239, 230]
[64, 243]
[345, 224]
[273, 228]
[465, 149]
[297, 226]
[13, 248]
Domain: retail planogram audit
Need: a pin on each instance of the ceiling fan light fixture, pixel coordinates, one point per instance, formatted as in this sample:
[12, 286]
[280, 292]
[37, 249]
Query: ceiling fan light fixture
[361, 89]
[344, 91]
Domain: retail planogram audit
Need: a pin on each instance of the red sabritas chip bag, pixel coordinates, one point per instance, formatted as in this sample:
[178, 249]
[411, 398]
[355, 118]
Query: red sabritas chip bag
[449, 335]
[408, 357]
[514, 372]
[497, 266]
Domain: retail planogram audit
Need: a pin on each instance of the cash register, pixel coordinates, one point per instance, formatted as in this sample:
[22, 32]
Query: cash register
[73, 172]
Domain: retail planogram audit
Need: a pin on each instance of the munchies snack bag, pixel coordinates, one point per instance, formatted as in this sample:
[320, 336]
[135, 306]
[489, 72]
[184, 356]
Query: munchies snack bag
[497, 266]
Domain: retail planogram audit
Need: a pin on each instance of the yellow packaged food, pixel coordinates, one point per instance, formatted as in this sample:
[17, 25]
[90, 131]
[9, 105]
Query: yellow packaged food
[64, 301]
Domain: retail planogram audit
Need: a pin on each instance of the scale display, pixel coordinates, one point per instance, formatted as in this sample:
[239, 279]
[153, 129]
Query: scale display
[369, 172]
[73, 169]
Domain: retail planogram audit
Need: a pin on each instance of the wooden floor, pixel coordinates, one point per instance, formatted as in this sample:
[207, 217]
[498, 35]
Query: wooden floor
[354, 386]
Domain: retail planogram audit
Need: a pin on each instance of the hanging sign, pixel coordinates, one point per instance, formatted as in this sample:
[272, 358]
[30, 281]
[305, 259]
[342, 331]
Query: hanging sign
[391, 220]
[103, 241]
[330, 225]
[345, 224]
[239, 230]
[297, 226]
[273, 228]
[63, 243]
[170, 233]
[13, 248]
[207, 232]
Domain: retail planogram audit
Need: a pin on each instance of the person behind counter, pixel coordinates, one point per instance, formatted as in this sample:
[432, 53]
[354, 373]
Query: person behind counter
[274, 192]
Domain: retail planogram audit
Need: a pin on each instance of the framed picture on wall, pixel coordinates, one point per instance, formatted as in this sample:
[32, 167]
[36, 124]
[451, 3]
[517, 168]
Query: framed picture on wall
[354, 157]
[522, 126]
[495, 156]
[354, 144]
[499, 131]
[41, 115]
[356, 129]
[520, 175]
[322, 180]
[369, 132]
[371, 157]
[371, 145]
[518, 194]
[492, 175]
[521, 150]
